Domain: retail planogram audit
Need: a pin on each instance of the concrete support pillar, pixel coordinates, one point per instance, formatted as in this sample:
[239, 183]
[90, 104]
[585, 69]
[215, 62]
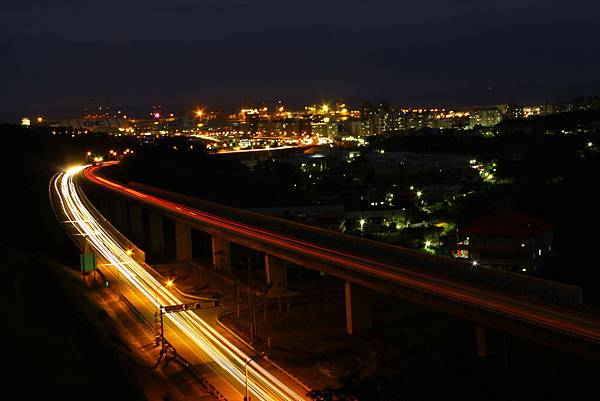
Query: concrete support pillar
[359, 308]
[157, 234]
[480, 340]
[183, 241]
[276, 270]
[136, 224]
[221, 253]
[119, 207]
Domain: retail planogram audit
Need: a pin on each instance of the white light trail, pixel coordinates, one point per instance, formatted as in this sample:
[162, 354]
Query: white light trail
[261, 383]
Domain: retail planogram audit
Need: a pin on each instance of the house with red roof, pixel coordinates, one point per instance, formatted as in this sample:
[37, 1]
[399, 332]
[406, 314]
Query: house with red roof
[509, 240]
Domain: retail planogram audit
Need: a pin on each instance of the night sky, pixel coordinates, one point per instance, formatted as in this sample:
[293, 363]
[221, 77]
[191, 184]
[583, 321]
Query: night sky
[427, 52]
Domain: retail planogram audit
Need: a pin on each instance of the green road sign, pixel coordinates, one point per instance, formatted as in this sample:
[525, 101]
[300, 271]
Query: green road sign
[88, 261]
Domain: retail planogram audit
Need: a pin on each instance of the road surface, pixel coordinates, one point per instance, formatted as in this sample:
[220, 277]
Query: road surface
[227, 360]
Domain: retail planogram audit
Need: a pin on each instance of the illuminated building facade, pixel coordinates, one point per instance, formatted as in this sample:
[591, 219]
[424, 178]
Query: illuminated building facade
[485, 117]
[508, 240]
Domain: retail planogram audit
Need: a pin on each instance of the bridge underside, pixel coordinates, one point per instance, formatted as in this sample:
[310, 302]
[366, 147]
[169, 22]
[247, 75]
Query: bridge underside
[354, 281]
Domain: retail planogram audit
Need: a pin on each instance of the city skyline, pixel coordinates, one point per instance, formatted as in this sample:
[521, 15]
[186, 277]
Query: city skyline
[437, 52]
[91, 107]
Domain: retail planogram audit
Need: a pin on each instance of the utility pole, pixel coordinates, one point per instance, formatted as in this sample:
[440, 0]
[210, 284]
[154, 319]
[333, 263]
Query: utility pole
[248, 360]
[265, 304]
[222, 279]
[159, 314]
[237, 295]
[118, 282]
[254, 299]
[246, 397]
[162, 331]
[252, 311]
[158, 310]
[266, 290]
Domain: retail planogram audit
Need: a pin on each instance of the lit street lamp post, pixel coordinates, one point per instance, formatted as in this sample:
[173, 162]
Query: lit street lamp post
[247, 397]
[159, 312]
[162, 331]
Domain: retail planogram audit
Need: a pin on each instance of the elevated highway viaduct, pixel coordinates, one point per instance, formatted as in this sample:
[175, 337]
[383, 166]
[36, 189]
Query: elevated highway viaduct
[545, 312]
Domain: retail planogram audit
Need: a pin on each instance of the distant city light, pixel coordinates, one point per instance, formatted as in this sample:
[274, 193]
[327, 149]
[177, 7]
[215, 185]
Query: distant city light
[26, 121]
[475, 263]
[427, 244]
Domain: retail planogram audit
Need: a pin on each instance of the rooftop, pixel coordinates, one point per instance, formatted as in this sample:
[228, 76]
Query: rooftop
[508, 223]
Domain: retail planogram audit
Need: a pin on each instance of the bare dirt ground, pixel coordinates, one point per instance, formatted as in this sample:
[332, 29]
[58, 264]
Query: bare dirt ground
[304, 330]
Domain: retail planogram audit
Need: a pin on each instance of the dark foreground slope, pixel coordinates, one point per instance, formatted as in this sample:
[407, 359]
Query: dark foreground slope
[55, 344]
[56, 347]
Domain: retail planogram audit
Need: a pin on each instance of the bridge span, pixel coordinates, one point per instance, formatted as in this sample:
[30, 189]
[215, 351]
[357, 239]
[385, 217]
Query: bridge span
[539, 310]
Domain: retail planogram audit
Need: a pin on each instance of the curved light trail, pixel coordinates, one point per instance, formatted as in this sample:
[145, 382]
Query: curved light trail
[555, 318]
[261, 384]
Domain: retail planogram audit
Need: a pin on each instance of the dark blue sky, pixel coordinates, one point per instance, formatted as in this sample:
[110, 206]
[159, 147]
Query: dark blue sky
[427, 52]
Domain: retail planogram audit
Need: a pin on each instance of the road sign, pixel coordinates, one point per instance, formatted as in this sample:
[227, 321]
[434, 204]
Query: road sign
[182, 307]
[88, 261]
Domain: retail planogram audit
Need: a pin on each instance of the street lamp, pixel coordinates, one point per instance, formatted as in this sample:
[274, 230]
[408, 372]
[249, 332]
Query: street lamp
[129, 252]
[247, 397]
[168, 284]
[159, 311]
